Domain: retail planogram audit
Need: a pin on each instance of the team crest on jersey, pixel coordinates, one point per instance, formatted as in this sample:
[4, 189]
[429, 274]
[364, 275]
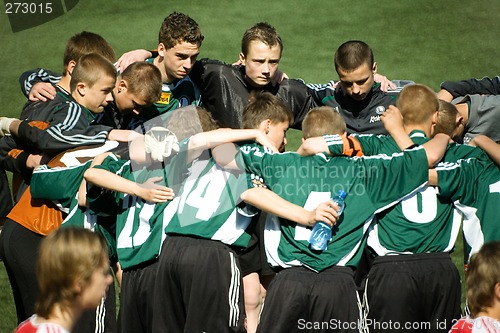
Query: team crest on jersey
[380, 109]
[164, 98]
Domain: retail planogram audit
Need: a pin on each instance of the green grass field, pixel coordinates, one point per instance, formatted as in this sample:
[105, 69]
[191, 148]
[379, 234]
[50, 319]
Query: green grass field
[424, 41]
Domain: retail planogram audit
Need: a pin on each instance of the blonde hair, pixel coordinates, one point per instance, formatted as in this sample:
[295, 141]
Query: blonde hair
[90, 69]
[447, 118]
[483, 273]
[262, 106]
[417, 104]
[189, 120]
[321, 121]
[66, 255]
[261, 32]
[144, 81]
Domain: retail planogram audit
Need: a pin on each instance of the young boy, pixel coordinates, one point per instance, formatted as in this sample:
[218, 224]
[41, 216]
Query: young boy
[28, 222]
[408, 239]
[303, 181]
[483, 292]
[73, 275]
[138, 252]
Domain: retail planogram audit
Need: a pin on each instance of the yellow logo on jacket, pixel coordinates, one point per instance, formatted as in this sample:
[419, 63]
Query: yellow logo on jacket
[164, 98]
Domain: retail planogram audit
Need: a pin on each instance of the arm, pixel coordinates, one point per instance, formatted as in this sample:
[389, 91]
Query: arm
[393, 123]
[37, 84]
[313, 146]
[202, 141]
[148, 191]
[270, 202]
[489, 146]
[486, 86]
[435, 148]
[132, 56]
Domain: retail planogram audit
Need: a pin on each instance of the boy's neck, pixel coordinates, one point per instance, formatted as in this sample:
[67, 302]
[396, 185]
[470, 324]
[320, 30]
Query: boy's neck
[158, 62]
[412, 127]
[64, 82]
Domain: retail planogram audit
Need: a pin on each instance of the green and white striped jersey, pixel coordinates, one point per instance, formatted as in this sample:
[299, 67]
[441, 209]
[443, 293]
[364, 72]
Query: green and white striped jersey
[474, 186]
[372, 183]
[208, 204]
[423, 221]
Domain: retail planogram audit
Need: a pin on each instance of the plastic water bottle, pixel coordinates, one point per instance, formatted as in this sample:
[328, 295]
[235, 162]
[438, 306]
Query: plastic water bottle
[322, 232]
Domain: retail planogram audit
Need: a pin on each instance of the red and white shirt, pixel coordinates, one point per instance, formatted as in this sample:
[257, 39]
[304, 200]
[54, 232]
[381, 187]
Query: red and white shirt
[481, 324]
[30, 325]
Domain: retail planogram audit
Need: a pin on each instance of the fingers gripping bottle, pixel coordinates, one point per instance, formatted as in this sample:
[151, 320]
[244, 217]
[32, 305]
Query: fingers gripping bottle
[322, 232]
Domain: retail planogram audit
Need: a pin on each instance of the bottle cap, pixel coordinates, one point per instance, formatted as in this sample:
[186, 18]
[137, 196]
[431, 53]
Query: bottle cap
[342, 194]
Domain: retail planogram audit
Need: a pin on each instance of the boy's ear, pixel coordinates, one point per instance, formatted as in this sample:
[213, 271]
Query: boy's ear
[435, 117]
[265, 125]
[161, 50]
[81, 88]
[374, 68]
[70, 67]
[122, 86]
[497, 290]
[242, 58]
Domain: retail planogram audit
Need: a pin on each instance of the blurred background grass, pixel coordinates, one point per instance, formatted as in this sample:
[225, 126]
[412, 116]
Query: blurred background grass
[425, 41]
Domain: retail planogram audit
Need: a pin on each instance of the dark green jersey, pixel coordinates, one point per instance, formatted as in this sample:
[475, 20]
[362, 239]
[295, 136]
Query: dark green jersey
[474, 186]
[423, 221]
[372, 184]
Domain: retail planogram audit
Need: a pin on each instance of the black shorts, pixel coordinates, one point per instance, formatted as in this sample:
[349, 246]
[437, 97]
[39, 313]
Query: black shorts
[253, 258]
[198, 287]
[301, 300]
[136, 299]
[412, 291]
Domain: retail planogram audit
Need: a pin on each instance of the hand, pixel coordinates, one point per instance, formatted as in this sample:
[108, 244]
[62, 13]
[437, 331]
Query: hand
[160, 143]
[264, 140]
[34, 161]
[130, 57]
[278, 77]
[445, 95]
[42, 91]
[5, 125]
[150, 191]
[325, 212]
[385, 83]
[392, 119]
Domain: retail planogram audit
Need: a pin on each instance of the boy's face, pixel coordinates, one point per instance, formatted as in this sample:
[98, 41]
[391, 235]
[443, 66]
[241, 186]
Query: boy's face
[97, 97]
[277, 134]
[126, 102]
[178, 60]
[357, 83]
[261, 63]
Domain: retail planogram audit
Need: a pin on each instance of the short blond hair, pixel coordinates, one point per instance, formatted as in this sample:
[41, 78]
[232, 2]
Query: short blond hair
[91, 68]
[262, 106]
[447, 118]
[66, 255]
[417, 104]
[483, 273]
[322, 120]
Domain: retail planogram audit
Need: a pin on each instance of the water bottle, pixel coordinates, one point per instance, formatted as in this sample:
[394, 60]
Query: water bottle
[322, 232]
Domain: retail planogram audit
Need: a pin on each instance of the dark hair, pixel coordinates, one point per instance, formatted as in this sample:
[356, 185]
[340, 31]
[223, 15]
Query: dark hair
[177, 28]
[352, 54]
[84, 43]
